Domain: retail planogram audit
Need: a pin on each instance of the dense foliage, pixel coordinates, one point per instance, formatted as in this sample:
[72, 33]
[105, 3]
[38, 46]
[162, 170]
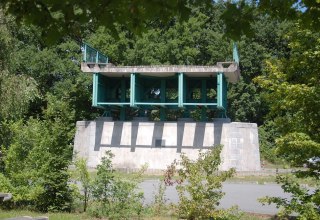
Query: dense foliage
[42, 96]
[43, 93]
[107, 195]
[58, 18]
[293, 93]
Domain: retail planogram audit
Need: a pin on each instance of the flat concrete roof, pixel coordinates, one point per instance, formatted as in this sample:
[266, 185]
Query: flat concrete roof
[230, 69]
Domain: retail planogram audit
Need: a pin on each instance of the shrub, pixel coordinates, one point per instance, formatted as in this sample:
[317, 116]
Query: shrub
[199, 185]
[114, 197]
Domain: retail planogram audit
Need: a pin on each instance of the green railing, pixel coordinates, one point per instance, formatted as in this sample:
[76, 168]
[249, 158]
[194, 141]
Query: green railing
[91, 55]
[235, 53]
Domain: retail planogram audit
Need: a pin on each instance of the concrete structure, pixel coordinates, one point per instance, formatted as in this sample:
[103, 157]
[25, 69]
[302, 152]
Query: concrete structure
[136, 143]
[128, 95]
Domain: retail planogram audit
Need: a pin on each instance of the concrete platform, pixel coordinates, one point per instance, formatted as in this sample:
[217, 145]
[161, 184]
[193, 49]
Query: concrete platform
[135, 143]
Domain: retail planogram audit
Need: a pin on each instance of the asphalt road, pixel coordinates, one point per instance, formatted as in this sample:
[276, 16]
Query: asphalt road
[244, 195]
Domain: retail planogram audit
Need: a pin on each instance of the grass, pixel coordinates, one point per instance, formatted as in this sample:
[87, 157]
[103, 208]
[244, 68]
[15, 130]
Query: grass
[52, 216]
[253, 179]
[83, 216]
[258, 179]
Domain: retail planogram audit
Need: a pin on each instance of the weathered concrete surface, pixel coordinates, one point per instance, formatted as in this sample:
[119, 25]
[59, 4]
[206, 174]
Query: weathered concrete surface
[159, 143]
[232, 71]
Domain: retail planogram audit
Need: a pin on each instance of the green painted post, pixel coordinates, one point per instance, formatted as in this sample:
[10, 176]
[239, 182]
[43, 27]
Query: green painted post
[123, 90]
[137, 89]
[84, 53]
[95, 81]
[95, 86]
[203, 99]
[203, 91]
[225, 90]
[97, 57]
[163, 99]
[132, 89]
[220, 94]
[186, 113]
[163, 115]
[163, 91]
[219, 89]
[123, 99]
[180, 90]
[184, 91]
[235, 53]
[123, 113]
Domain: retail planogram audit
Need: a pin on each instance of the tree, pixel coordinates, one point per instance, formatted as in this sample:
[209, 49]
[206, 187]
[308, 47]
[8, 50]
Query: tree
[199, 184]
[58, 19]
[239, 15]
[84, 178]
[293, 94]
[36, 165]
[292, 87]
[113, 197]
[16, 93]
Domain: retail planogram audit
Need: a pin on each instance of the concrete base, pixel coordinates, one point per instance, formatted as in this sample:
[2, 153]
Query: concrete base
[136, 143]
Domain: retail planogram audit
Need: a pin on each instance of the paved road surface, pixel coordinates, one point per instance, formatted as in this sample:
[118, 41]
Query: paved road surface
[244, 195]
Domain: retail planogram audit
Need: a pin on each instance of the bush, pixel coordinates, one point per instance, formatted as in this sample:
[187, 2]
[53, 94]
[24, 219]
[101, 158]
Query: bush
[36, 165]
[85, 180]
[199, 185]
[303, 202]
[113, 197]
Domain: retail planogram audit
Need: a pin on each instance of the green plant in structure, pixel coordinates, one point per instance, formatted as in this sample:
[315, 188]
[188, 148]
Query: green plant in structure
[199, 185]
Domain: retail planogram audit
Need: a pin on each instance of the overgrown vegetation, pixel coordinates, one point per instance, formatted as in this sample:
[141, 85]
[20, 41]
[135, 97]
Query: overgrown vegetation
[292, 87]
[112, 197]
[43, 93]
[199, 185]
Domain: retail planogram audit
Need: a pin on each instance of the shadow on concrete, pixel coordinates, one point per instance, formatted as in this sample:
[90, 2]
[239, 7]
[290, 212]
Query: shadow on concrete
[217, 133]
[157, 135]
[98, 136]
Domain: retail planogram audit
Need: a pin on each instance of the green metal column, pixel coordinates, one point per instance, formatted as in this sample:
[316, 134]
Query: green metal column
[221, 94]
[84, 53]
[132, 89]
[235, 53]
[137, 89]
[123, 99]
[184, 91]
[186, 113]
[219, 89]
[95, 84]
[203, 99]
[225, 90]
[181, 90]
[95, 81]
[163, 99]
[97, 57]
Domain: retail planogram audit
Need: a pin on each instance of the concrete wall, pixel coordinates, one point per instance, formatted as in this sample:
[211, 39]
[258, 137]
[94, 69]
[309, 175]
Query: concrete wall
[159, 143]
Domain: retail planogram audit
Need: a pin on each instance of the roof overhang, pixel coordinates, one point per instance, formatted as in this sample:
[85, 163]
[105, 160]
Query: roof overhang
[230, 69]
